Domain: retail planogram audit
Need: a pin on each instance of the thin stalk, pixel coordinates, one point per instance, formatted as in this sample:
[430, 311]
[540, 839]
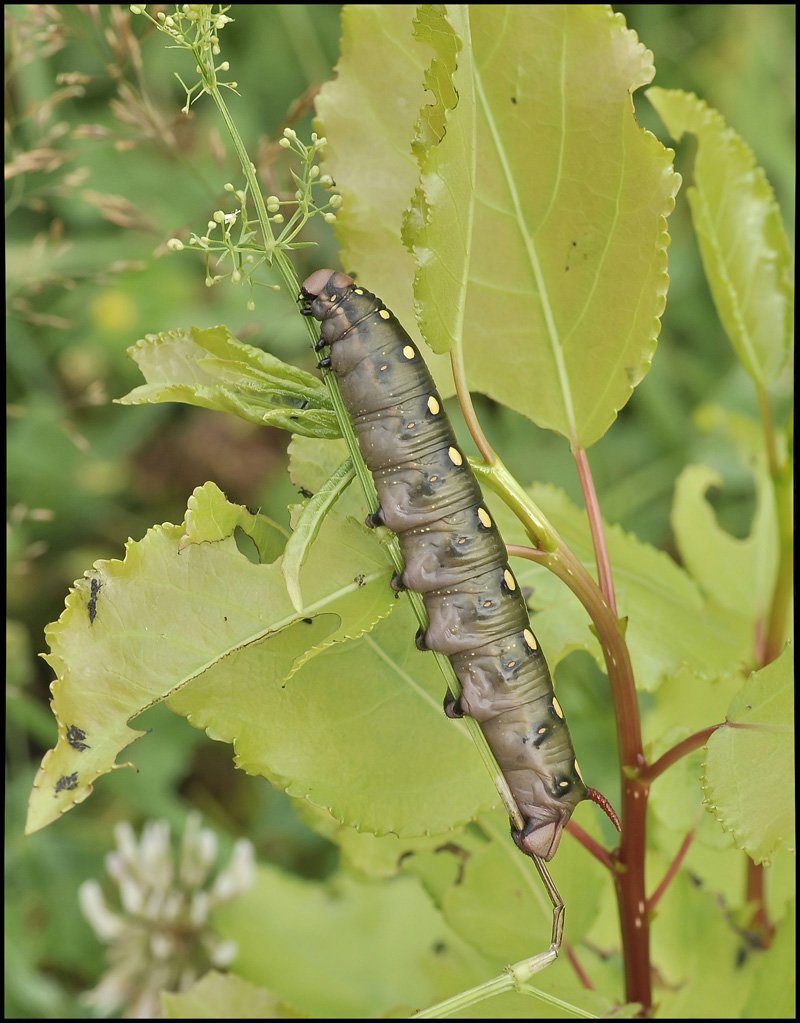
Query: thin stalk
[672, 870]
[773, 633]
[468, 409]
[683, 748]
[592, 846]
[780, 471]
[760, 924]
[604, 576]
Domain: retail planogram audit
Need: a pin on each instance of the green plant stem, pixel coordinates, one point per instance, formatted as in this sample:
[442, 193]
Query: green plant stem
[468, 409]
[629, 859]
[514, 978]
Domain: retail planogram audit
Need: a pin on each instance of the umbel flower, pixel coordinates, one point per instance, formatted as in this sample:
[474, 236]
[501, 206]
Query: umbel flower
[158, 931]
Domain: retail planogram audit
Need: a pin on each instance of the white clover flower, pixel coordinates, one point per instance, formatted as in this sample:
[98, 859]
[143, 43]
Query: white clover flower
[157, 924]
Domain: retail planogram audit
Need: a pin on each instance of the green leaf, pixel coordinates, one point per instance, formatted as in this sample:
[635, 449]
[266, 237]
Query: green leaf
[184, 604]
[736, 574]
[369, 154]
[371, 948]
[517, 919]
[545, 165]
[749, 769]
[772, 997]
[691, 928]
[365, 854]
[369, 133]
[214, 370]
[743, 244]
[307, 527]
[358, 730]
[670, 624]
[685, 703]
[223, 996]
[209, 518]
[313, 462]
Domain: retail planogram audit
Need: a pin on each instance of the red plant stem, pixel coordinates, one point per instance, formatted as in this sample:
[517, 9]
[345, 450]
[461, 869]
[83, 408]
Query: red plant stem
[604, 577]
[682, 749]
[673, 869]
[759, 924]
[575, 963]
[590, 845]
[630, 856]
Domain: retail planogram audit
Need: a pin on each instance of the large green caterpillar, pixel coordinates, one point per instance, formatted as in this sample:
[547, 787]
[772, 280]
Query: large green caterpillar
[454, 555]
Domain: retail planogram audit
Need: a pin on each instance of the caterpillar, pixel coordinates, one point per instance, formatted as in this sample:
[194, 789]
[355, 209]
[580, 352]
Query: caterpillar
[454, 555]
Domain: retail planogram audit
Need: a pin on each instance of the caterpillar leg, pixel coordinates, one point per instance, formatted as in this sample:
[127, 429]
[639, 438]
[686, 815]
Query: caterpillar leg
[325, 363]
[397, 583]
[419, 640]
[322, 343]
[375, 519]
[452, 706]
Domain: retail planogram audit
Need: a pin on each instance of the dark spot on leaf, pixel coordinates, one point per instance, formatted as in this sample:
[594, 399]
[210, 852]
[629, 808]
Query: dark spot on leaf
[75, 737]
[67, 781]
[92, 603]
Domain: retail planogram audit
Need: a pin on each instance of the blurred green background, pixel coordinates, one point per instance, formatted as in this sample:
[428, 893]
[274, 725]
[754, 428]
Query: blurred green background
[101, 169]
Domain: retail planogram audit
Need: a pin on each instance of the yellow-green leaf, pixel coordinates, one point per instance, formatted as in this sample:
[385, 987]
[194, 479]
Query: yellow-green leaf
[542, 252]
[214, 370]
[745, 251]
[749, 769]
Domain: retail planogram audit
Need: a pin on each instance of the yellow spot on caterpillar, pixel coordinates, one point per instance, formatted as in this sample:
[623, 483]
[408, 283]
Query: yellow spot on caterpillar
[334, 298]
[542, 730]
[433, 406]
[461, 539]
[578, 772]
[512, 664]
[409, 352]
[485, 517]
[563, 784]
[530, 639]
[384, 367]
[455, 456]
[433, 479]
[384, 314]
[358, 291]
[557, 708]
[410, 426]
[487, 603]
[509, 580]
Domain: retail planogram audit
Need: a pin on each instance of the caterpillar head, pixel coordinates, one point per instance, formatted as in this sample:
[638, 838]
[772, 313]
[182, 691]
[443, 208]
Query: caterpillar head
[541, 838]
[324, 289]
